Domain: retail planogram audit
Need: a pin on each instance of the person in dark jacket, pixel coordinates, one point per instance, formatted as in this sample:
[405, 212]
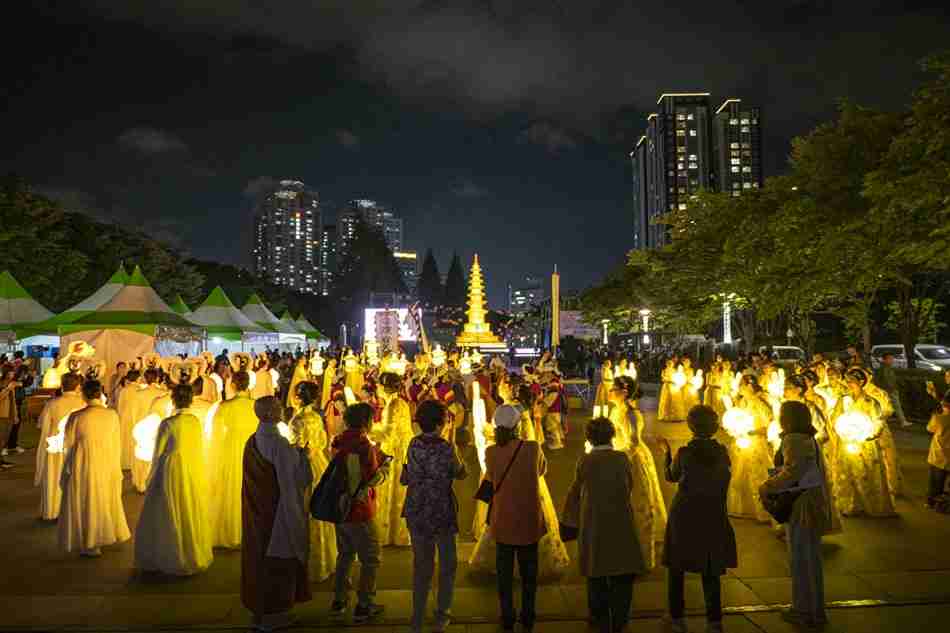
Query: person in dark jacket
[699, 537]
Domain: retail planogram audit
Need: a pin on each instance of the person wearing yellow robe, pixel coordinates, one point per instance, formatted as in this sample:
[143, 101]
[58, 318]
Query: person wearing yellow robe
[234, 422]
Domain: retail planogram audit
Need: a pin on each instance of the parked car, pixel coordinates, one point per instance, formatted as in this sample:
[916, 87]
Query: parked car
[926, 356]
[784, 355]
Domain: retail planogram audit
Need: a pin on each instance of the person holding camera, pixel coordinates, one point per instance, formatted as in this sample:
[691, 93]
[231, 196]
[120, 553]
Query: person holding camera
[359, 536]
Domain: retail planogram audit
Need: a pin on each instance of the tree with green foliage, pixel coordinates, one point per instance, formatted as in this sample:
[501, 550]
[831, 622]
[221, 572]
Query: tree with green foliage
[367, 267]
[431, 292]
[455, 289]
[35, 245]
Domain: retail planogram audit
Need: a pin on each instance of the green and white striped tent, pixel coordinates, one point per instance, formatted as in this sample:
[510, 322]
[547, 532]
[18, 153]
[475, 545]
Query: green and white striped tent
[134, 322]
[287, 335]
[21, 316]
[180, 307]
[313, 334]
[113, 285]
[228, 328]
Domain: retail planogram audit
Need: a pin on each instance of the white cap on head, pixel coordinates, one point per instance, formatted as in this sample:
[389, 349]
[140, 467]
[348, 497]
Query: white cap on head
[507, 416]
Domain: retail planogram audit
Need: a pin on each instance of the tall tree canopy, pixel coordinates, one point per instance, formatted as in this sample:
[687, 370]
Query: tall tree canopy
[367, 267]
[455, 290]
[431, 291]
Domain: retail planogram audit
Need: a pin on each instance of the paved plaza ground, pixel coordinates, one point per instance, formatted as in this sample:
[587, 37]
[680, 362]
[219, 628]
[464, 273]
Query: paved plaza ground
[881, 574]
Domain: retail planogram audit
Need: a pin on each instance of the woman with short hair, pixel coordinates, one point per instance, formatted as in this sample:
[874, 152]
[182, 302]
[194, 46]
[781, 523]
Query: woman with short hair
[599, 504]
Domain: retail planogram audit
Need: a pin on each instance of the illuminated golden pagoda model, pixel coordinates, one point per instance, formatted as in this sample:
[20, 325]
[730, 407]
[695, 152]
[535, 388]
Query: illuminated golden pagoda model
[477, 332]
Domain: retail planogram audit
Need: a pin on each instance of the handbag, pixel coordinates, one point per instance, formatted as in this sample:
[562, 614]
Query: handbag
[781, 504]
[486, 490]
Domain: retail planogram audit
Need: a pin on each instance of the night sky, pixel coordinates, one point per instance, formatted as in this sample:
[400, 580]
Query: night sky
[501, 127]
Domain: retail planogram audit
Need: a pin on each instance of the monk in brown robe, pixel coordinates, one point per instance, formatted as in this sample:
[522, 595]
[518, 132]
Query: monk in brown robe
[274, 519]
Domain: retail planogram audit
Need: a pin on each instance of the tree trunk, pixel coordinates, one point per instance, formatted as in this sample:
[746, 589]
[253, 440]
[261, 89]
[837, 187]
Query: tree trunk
[746, 325]
[909, 324]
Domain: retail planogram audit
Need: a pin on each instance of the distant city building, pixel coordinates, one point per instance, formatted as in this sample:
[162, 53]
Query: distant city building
[287, 232]
[327, 259]
[737, 146]
[686, 149]
[408, 262]
[525, 294]
[374, 215]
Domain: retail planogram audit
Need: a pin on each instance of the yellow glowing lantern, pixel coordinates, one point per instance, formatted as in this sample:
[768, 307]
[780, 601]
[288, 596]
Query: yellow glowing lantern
[349, 395]
[679, 379]
[316, 365]
[739, 424]
[697, 380]
[398, 365]
[854, 428]
[600, 410]
[145, 432]
[476, 357]
[284, 429]
[438, 356]
[480, 419]
[776, 385]
[465, 365]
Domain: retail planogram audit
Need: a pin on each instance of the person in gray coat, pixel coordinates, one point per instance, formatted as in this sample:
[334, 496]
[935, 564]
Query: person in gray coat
[599, 506]
[699, 537]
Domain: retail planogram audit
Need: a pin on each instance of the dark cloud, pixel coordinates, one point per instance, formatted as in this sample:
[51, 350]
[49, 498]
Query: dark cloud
[347, 139]
[151, 141]
[260, 184]
[550, 136]
[466, 188]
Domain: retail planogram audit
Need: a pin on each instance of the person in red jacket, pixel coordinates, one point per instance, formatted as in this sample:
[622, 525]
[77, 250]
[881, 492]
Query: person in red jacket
[358, 536]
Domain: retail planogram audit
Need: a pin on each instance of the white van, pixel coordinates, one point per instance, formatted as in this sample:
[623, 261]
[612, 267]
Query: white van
[926, 356]
[784, 355]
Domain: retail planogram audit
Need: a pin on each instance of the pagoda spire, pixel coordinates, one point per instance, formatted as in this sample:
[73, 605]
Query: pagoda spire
[477, 332]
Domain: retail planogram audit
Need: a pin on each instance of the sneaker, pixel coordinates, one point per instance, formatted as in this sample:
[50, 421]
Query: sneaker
[364, 613]
[442, 621]
[338, 608]
[673, 625]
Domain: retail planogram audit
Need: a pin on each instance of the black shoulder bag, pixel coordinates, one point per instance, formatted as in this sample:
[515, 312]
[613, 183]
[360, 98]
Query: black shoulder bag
[487, 490]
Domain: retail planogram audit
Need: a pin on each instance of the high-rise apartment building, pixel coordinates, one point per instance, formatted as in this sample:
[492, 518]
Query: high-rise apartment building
[737, 146]
[528, 292]
[408, 262]
[686, 148]
[374, 215]
[327, 258]
[287, 232]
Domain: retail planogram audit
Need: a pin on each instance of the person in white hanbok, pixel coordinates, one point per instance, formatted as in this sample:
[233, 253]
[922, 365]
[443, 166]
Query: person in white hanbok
[125, 404]
[173, 535]
[860, 472]
[92, 514]
[151, 401]
[649, 508]
[49, 459]
[751, 455]
[307, 431]
[234, 422]
[393, 434]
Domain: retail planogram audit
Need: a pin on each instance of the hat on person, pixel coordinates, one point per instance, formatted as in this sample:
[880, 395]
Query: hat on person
[507, 416]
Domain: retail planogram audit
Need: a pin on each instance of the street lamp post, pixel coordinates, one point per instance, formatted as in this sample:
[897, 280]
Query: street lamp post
[605, 323]
[645, 324]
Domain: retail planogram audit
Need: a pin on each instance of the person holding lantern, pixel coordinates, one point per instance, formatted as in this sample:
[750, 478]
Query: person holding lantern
[860, 473]
[393, 433]
[648, 504]
[750, 454]
[664, 411]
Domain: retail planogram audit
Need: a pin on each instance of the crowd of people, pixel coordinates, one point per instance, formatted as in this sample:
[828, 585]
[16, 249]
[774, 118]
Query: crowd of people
[229, 452]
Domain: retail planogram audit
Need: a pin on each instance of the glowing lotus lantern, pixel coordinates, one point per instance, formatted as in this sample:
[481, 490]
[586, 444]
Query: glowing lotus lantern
[480, 419]
[465, 365]
[54, 444]
[739, 424]
[144, 433]
[679, 379]
[316, 365]
[349, 395]
[854, 428]
[284, 429]
[398, 364]
[697, 380]
[438, 356]
[476, 357]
